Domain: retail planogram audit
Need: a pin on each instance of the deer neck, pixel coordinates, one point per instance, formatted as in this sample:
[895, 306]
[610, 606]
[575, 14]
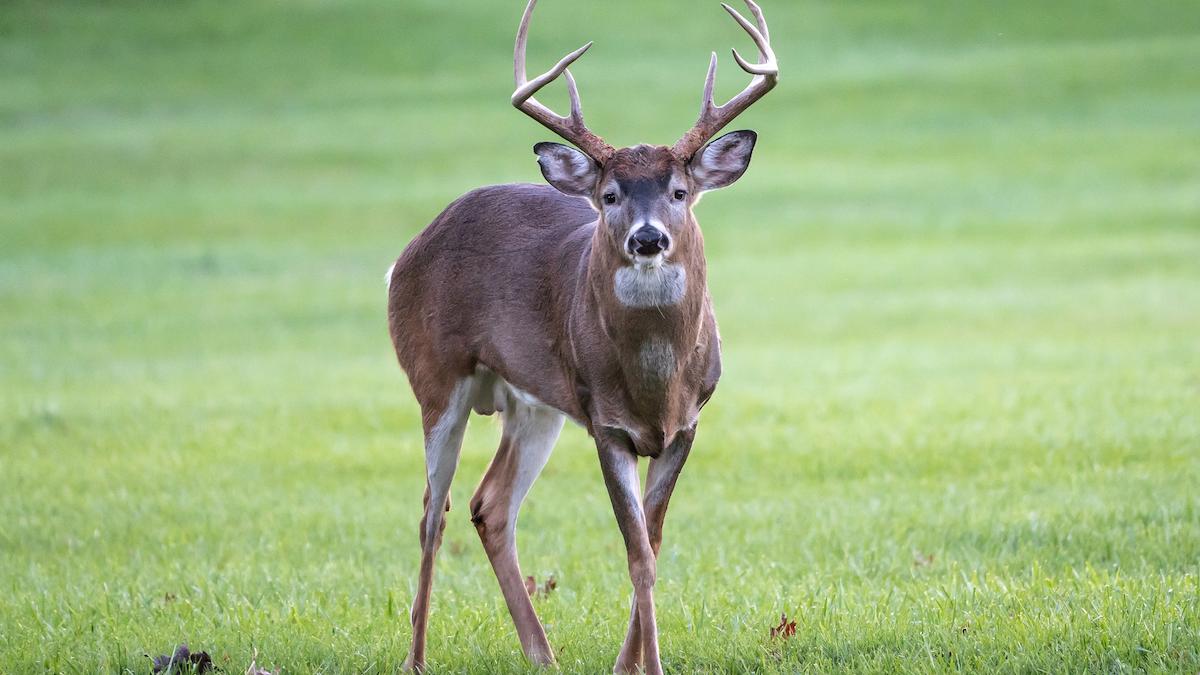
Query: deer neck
[650, 317]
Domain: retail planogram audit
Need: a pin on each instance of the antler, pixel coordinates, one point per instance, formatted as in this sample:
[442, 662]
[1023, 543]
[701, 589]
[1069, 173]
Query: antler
[714, 117]
[570, 127]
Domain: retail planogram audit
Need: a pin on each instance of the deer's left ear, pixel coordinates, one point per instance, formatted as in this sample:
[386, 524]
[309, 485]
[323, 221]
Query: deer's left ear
[723, 161]
[567, 169]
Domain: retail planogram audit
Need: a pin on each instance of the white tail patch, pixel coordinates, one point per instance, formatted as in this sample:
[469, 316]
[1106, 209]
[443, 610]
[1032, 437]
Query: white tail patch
[387, 278]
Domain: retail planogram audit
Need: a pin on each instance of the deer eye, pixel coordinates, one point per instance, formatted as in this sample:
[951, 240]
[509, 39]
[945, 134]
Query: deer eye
[680, 195]
[610, 198]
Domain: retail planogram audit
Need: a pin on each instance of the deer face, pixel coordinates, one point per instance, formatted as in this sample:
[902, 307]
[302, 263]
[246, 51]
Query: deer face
[644, 194]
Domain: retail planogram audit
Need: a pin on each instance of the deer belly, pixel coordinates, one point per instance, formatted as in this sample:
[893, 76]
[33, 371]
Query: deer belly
[495, 394]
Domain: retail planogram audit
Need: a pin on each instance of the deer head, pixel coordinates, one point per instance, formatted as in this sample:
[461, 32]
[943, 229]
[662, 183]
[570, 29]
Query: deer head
[644, 194]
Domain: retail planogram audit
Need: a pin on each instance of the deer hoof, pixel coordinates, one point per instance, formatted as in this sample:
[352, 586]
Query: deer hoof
[411, 665]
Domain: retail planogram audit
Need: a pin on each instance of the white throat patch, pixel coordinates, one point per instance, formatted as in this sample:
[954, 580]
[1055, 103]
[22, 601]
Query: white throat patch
[657, 286]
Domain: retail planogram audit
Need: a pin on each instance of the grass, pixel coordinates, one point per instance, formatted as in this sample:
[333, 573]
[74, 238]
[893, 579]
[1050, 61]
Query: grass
[959, 427]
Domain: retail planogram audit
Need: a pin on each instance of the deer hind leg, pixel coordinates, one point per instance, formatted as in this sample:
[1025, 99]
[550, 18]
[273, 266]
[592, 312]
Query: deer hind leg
[529, 435]
[443, 440]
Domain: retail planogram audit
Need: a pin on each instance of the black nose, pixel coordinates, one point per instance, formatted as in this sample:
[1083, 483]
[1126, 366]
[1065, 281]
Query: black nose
[648, 240]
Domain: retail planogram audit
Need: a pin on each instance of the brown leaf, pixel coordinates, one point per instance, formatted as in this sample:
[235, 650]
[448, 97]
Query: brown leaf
[533, 588]
[785, 629]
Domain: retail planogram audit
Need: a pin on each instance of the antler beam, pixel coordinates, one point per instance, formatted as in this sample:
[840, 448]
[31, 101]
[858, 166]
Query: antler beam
[571, 127]
[714, 117]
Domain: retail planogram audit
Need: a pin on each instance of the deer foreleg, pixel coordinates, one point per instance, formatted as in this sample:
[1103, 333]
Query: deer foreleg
[660, 483]
[618, 463]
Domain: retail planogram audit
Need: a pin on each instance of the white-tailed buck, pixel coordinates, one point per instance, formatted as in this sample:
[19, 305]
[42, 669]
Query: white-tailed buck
[584, 301]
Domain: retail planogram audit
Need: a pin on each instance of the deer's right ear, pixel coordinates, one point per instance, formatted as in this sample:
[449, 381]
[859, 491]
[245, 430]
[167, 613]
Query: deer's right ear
[567, 169]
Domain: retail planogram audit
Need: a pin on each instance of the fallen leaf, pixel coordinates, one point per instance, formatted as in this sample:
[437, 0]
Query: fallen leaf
[785, 629]
[546, 588]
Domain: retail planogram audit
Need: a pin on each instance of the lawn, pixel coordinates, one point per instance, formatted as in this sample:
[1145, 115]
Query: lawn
[959, 294]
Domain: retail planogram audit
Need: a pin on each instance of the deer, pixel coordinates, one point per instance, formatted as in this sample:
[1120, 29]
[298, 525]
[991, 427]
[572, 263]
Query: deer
[585, 300]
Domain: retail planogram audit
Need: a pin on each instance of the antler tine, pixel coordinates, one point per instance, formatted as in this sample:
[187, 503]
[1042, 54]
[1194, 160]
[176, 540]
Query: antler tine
[571, 127]
[519, 49]
[576, 106]
[767, 65]
[710, 82]
[758, 18]
[714, 117]
[526, 89]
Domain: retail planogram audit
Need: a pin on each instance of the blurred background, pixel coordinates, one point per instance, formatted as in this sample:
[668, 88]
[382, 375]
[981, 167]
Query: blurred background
[959, 293]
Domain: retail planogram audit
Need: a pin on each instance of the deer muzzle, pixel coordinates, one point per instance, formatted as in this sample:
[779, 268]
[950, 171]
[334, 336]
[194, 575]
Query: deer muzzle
[648, 240]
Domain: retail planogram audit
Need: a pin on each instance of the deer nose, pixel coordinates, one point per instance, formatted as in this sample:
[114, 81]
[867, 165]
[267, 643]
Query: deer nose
[648, 240]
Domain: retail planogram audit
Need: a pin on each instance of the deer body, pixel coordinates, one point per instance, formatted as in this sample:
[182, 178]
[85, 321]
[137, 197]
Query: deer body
[584, 300]
[570, 327]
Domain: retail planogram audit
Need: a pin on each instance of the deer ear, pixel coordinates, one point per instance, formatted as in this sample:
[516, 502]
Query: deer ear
[723, 161]
[567, 169]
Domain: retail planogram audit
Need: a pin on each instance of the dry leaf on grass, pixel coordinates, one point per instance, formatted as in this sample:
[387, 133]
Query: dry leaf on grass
[785, 629]
[532, 587]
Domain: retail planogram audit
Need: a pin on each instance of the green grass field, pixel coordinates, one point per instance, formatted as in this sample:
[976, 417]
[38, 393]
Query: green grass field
[959, 291]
